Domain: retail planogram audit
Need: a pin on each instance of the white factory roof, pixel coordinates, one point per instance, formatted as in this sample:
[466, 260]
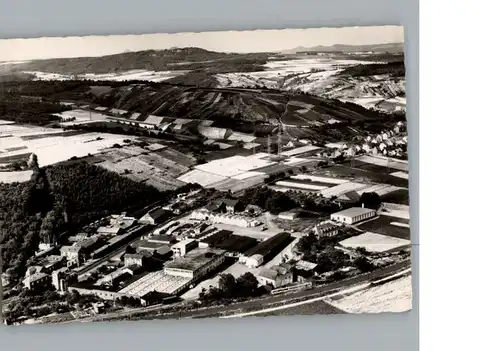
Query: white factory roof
[354, 212]
[300, 150]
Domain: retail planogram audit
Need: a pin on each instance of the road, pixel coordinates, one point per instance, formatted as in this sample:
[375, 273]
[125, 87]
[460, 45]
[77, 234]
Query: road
[263, 302]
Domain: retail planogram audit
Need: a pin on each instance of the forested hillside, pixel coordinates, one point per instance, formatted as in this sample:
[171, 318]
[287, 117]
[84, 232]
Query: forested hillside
[60, 198]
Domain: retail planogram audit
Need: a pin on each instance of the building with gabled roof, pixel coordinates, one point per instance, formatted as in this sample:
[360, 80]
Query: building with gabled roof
[155, 216]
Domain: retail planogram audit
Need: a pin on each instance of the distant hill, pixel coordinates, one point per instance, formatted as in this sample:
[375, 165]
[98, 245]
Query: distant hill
[375, 48]
[190, 58]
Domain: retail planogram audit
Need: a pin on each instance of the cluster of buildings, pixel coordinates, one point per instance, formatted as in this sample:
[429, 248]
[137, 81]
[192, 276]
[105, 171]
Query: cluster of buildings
[225, 218]
[391, 142]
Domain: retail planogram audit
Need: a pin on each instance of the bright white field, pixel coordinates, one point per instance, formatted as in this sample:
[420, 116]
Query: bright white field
[306, 186]
[342, 189]
[374, 242]
[54, 149]
[394, 296]
[200, 177]
[151, 76]
[382, 161]
[12, 177]
[326, 180]
[231, 166]
[400, 175]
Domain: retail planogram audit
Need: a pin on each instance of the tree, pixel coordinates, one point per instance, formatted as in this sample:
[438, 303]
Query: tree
[363, 264]
[370, 200]
[247, 284]
[227, 285]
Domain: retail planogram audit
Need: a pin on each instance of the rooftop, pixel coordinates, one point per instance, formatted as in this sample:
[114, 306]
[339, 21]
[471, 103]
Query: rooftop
[194, 259]
[354, 211]
[305, 265]
[157, 213]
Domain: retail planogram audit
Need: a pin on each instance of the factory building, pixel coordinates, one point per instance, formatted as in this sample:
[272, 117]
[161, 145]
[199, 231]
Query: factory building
[195, 264]
[265, 250]
[353, 215]
[182, 248]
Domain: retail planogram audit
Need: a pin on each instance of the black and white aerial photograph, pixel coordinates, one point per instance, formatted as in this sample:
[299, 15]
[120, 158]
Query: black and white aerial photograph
[204, 175]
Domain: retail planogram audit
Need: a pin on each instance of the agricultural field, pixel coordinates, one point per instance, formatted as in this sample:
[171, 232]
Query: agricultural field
[383, 169]
[394, 296]
[362, 176]
[12, 177]
[397, 165]
[387, 225]
[157, 168]
[52, 145]
[374, 242]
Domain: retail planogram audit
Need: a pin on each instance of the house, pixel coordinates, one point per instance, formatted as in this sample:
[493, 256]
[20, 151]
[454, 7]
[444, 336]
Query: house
[155, 216]
[276, 276]
[35, 278]
[374, 151]
[216, 206]
[325, 229]
[305, 270]
[59, 279]
[133, 259]
[232, 205]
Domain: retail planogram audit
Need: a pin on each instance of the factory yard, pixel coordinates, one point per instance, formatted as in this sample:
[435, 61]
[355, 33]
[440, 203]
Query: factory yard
[394, 296]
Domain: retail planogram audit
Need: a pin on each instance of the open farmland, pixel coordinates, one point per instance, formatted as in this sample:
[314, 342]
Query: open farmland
[146, 166]
[346, 172]
[374, 242]
[53, 146]
[387, 225]
[394, 296]
[397, 165]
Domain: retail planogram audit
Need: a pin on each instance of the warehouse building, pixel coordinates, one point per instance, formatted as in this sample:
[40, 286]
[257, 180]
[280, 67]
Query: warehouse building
[353, 215]
[195, 264]
[214, 239]
[265, 250]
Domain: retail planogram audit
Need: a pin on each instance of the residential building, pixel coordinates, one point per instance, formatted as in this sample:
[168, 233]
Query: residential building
[276, 276]
[133, 260]
[232, 205]
[304, 270]
[36, 279]
[353, 215]
[156, 216]
[325, 229]
[59, 279]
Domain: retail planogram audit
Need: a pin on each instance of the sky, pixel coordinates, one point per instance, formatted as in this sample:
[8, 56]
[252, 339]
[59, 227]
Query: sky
[229, 41]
